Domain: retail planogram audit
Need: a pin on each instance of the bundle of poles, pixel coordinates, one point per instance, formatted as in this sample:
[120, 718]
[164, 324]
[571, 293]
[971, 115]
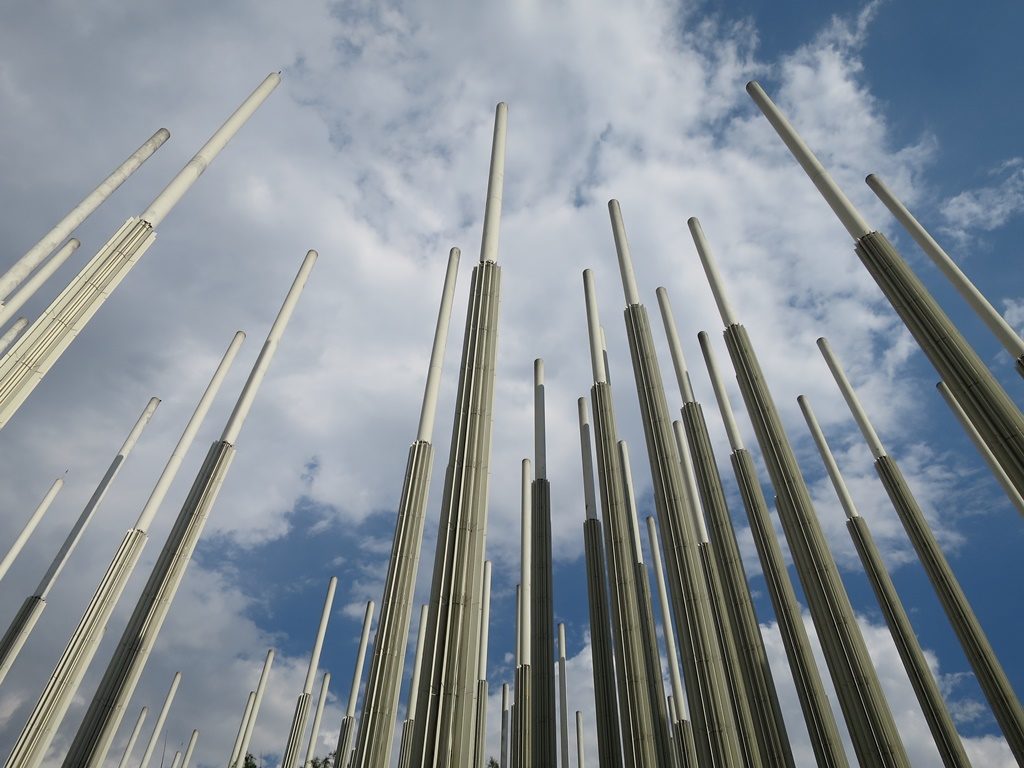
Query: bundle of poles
[710, 699]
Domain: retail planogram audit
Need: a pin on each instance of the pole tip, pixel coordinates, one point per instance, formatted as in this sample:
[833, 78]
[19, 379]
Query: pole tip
[871, 180]
[754, 87]
[74, 242]
[502, 107]
[822, 343]
[162, 135]
[613, 204]
[693, 223]
[538, 372]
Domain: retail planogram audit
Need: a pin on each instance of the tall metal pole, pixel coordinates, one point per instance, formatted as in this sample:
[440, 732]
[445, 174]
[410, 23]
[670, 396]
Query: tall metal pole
[638, 718]
[765, 714]
[44, 342]
[541, 606]
[991, 677]
[342, 753]
[503, 762]
[250, 701]
[983, 449]
[986, 403]
[190, 748]
[714, 723]
[16, 301]
[35, 738]
[133, 738]
[405, 744]
[563, 707]
[250, 721]
[943, 731]
[161, 718]
[446, 713]
[606, 704]
[1001, 329]
[108, 705]
[480, 750]
[30, 526]
[525, 756]
[38, 252]
[818, 718]
[387, 663]
[291, 749]
[872, 729]
[314, 734]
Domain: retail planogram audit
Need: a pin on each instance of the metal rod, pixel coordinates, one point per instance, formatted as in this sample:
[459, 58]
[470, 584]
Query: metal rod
[30, 526]
[9, 308]
[674, 346]
[161, 718]
[428, 411]
[495, 185]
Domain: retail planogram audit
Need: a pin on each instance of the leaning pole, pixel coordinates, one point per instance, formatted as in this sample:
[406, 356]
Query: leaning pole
[986, 403]
[314, 733]
[405, 743]
[639, 721]
[384, 683]
[541, 607]
[290, 755]
[17, 300]
[772, 742]
[940, 723]
[32, 356]
[818, 718]
[30, 526]
[988, 314]
[714, 721]
[109, 703]
[872, 729]
[126, 756]
[154, 737]
[343, 751]
[35, 255]
[987, 669]
[606, 702]
[250, 720]
[446, 709]
[480, 740]
[523, 754]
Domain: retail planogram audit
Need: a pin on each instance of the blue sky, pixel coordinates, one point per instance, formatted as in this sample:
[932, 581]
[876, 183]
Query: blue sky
[374, 150]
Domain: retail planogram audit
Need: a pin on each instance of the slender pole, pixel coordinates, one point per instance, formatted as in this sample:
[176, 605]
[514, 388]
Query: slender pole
[35, 255]
[414, 684]
[480, 754]
[982, 307]
[525, 557]
[314, 734]
[579, 740]
[503, 763]
[12, 333]
[15, 302]
[190, 748]
[666, 613]
[250, 700]
[428, 411]
[30, 526]
[563, 707]
[133, 738]
[343, 751]
[250, 722]
[176, 760]
[495, 185]
[161, 718]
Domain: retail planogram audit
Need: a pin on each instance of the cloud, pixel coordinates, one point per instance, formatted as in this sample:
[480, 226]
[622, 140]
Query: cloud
[986, 208]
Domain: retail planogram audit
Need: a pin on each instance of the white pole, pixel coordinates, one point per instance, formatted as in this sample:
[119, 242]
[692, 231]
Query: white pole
[714, 277]
[666, 614]
[495, 185]
[579, 740]
[190, 748]
[148, 754]
[829, 460]
[133, 738]
[357, 674]
[12, 333]
[731, 428]
[176, 761]
[30, 526]
[589, 501]
[444, 315]
[622, 251]
[627, 481]
[563, 705]
[250, 700]
[180, 184]
[485, 623]
[674, 346]
[259, 370]
[526, 558]
[594, 329]
[414, 687]
[251, 722]
[32, 258]
[325, 615]
[539, 433]
[28, 290]
[317, 717]
[690, 491]
[870, 436]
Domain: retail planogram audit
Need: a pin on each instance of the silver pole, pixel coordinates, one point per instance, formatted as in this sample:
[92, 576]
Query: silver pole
[161, 718]
[250, 723]
[30, 526]
[314, 734]
[250, 700]
[9, 308]
[133, 738]
[12, 333]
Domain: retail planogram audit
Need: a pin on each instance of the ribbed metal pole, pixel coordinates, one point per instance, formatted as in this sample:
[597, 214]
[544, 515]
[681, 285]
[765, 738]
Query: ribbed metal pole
[250, 722]
[133, 738]
[872, 729]
[715, 727]
[161, 718]
[38, 252]
[446, 711]
[769, 730]
[818, 718]
[638, 720]
[44, 342]
[947, 740]
[290, 756]
[991, 677]
[994, 414]
[405, 743]
[387, 663]
[609, 746]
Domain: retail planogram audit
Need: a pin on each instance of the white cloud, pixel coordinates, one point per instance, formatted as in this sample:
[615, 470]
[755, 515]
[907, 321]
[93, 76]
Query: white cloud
[986, 208]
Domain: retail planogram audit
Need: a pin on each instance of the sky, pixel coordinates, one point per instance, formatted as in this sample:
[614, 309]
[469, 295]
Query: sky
[374, 150]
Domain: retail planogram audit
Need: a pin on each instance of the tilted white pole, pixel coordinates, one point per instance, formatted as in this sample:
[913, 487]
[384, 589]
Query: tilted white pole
[321, 632]
[414, 686]
[837, 201]
[845, 499]
[12, 333]
[666, 614]
[190, 748]
[526, 558]
[151, 746]
[675, 347]
[622, 250]
[870, 436]
[563, 705]
[495, 183]
[540, 450]
[690, 486]
[30, 526]
[707, 260]
[321, 702]
[250, 723]
[259, 370]
[133, 738]
[187, 176]
[983, 449]
[485, 623]
[32, 258]
[579, 740]
[1003, 330]
[357, 673]
[731, 428]
[28, 290]
[176, 760]
[250, 700]
[589, 502]
[627, 482]
[594, 329]
[429, 409]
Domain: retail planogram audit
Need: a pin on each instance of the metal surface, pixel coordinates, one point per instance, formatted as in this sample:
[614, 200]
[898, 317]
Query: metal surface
[133, 738]
[12, 333]
[428, 410]
[580, 751]
[38, 252]
[15, 302]
[480, 739]
[563, 706]
[160, 720]
[314, 732]
[495, 185]
[30, 526]
[250, 722]
[237, 746]
[190, 749]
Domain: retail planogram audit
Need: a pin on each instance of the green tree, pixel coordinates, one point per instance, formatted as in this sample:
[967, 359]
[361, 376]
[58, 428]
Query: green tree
[323, 762]
[492, 763]
[250, 761]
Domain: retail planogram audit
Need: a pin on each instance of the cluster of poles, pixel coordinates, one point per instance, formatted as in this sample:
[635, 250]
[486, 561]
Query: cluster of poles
[721, 706]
